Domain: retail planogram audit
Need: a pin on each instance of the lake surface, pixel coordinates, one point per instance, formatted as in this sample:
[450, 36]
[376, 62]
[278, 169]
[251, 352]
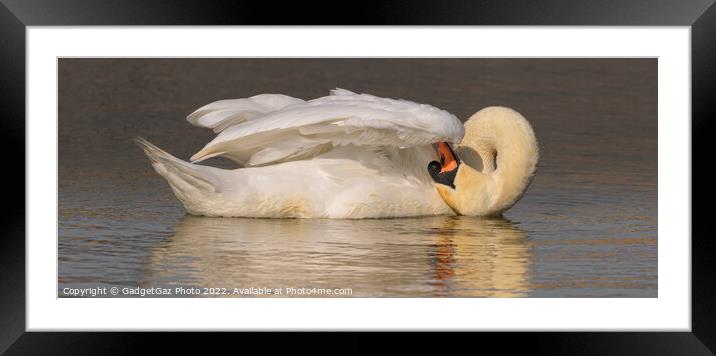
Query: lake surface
[586, 227]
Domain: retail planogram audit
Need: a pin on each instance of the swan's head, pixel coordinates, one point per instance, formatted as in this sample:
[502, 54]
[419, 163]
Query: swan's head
[491, 168]
[444, 172]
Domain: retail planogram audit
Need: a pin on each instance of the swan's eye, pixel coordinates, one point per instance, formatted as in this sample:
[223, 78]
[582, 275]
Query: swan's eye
[442, 159]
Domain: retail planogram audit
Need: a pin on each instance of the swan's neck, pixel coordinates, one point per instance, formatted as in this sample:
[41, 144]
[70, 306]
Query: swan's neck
[508, 154]
[488, 155]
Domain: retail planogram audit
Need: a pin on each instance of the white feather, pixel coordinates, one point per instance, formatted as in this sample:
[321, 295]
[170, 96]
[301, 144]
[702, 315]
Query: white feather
[224, 113]
[340, 119]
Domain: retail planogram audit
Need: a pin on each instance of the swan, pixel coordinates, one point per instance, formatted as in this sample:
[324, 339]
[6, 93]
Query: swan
[351, 156]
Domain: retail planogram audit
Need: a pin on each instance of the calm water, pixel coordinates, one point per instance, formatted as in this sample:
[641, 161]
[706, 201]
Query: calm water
[587, 226]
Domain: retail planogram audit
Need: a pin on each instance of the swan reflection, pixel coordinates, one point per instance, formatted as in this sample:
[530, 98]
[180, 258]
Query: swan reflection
[441, 256]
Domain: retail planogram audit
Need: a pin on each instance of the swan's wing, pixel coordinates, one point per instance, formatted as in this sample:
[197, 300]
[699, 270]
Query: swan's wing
[303, 130]
[224, 113]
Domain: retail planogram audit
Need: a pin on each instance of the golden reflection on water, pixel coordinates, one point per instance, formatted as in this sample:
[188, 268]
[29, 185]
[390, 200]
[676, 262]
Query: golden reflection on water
[440, 256]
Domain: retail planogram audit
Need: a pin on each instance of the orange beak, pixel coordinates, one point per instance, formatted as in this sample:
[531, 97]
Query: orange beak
[448, 161]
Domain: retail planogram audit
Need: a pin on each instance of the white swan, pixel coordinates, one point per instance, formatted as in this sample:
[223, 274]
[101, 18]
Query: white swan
[351, 155]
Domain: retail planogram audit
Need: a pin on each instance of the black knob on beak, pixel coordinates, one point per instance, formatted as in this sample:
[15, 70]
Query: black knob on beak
[434, 168]
[446, 178]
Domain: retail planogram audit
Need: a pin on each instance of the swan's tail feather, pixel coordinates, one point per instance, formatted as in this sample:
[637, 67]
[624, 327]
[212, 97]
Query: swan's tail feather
[185, 178]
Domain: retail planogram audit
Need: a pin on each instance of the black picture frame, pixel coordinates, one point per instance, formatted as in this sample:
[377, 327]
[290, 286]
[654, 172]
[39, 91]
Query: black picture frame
[16, 15]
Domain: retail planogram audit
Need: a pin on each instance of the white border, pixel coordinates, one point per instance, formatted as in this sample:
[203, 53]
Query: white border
[670, 311]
